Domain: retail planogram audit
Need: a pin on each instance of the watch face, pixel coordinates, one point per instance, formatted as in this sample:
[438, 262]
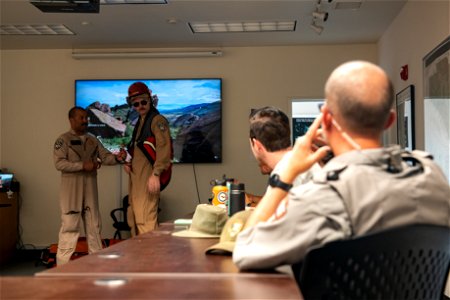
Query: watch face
[274, 181]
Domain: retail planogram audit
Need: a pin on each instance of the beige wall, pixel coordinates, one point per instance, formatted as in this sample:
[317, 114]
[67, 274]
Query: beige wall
[419, 27]
[38, 89]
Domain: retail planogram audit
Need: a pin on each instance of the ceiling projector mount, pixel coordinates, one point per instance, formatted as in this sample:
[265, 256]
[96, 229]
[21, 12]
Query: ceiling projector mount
[67, 6]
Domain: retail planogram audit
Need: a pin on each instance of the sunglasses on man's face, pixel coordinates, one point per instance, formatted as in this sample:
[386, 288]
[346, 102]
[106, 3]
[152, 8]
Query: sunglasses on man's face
[142, 102]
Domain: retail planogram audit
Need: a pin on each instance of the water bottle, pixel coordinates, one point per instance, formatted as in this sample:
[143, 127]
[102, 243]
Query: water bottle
[228, 182]
[219, 192]
[236, 201]
[219, 195]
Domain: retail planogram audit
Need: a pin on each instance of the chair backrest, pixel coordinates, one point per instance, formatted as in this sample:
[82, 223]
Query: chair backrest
[410, 262]
[122, 211]
[125, 203]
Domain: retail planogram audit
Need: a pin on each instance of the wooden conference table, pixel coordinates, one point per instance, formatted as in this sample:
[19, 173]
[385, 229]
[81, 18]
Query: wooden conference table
[154, 265]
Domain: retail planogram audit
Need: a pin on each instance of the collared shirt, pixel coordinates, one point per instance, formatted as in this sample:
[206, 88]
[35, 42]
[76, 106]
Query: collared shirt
[71, 150]
[355, 193]
[301, 178]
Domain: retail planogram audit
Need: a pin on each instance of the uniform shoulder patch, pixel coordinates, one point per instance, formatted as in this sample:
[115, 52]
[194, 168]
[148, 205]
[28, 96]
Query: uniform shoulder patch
[162, 126]
[59, 143]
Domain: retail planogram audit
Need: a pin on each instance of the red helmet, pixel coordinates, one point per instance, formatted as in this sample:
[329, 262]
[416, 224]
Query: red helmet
[136, 89]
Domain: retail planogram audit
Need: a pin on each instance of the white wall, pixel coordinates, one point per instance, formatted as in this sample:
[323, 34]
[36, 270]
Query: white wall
[38, 90]
[419, 27]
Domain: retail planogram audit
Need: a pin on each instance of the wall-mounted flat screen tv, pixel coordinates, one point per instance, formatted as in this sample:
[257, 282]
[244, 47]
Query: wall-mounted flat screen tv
[193, 108]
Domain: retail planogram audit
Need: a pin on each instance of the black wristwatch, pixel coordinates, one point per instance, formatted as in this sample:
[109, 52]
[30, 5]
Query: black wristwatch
[274, 181]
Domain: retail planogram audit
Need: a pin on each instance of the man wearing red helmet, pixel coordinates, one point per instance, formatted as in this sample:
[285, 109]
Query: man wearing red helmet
[150, 167]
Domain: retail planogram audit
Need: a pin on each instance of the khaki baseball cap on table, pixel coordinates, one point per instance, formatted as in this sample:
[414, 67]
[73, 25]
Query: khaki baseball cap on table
[234, 225]
[207, 222]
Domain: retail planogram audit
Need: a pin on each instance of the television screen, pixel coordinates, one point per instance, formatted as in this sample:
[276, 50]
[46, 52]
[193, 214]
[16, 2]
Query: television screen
[193, 108]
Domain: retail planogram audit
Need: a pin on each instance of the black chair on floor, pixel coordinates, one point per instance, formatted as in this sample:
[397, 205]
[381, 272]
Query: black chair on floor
[115, 215]
[410, 262]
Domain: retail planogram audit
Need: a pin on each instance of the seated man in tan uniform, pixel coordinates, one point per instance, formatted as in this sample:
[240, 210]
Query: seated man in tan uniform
[364, 188]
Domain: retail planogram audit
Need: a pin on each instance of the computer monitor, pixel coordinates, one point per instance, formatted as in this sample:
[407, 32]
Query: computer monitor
[6, 181]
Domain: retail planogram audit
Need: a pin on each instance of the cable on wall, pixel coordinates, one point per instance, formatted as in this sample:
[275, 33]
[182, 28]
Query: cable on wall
[196, 183]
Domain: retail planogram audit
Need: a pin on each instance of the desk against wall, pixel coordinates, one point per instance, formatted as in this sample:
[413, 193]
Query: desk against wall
[8, 226]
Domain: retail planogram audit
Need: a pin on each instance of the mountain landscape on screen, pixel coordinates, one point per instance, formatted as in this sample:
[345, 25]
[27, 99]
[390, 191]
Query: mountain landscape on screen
[195, 127]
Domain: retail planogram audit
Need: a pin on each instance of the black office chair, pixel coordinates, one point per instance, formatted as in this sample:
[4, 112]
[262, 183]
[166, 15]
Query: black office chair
[120, 225]
[410, 262]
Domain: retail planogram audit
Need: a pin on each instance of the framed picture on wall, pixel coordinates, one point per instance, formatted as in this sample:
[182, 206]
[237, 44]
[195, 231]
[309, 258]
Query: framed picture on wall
[436, 95]
[303, 114]
[405, 118]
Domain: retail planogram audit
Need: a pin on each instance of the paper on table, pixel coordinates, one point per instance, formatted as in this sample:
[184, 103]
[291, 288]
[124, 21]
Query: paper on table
[182, 222]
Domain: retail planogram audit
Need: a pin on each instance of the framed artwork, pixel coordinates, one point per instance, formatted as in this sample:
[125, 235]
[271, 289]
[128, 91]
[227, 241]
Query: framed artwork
[436, 92]
[405, 118]
[303, 114]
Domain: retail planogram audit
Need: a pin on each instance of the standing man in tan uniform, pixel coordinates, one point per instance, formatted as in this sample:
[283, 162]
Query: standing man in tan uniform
[78, 155]
[150, 168]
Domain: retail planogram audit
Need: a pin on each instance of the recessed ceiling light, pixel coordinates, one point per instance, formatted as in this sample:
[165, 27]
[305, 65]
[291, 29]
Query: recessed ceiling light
[242, 26]
[172, 20]
[55, 29]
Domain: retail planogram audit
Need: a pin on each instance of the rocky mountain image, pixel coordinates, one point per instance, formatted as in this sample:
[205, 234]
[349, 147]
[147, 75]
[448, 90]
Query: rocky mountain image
[103, 123]
[195, 130]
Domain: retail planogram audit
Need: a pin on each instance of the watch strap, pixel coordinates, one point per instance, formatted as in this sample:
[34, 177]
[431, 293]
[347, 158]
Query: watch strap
[275, 181]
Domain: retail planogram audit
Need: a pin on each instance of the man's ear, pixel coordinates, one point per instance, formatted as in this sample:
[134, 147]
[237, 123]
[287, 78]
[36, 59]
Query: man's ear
[257, 145]
[327, 118]
[391, 119]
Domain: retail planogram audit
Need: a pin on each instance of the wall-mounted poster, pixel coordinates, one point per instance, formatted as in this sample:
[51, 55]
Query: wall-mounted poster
[436, 89]
[405, 118]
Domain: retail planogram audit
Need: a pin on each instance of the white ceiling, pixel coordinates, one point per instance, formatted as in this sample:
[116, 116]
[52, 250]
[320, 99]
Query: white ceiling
[147, 26]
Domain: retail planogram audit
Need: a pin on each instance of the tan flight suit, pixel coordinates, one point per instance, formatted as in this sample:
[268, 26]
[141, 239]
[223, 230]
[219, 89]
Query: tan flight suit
[143, 210]
[78, 194]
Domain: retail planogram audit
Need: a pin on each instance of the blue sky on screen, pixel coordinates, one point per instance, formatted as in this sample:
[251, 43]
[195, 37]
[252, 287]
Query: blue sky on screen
[172, 93]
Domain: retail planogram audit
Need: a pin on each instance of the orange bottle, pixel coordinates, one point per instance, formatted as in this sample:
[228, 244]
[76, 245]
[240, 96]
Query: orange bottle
[220, 195]
[219, 192]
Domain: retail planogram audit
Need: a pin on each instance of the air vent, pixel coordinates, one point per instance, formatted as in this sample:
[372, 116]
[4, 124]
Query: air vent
[67, 6]
[351, 4]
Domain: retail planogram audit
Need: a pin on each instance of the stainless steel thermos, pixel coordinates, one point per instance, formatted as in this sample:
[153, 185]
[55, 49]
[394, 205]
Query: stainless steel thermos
[236, 201]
